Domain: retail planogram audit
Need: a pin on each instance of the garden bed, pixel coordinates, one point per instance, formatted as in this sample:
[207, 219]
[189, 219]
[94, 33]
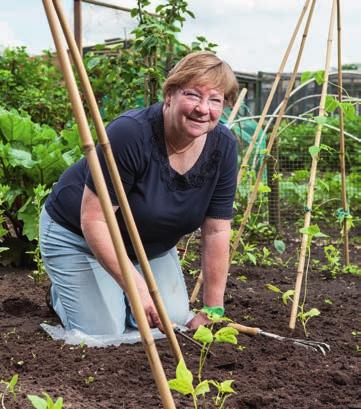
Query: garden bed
[266, 373]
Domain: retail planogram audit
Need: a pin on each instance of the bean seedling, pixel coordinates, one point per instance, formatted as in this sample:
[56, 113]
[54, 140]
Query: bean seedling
[183, 383]
[9, 389]
[303, 316]
[46, 402]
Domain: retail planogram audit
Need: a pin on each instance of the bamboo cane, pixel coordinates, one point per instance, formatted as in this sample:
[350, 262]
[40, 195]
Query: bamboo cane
[272, 138]
[229, 123]
[250, 148]
[117, 183]
[95, 169]
[311, 185]
[346, 251]
[236, 107]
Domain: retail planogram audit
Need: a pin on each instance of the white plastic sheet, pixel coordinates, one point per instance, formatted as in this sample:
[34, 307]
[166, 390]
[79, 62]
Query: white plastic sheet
[76, 337]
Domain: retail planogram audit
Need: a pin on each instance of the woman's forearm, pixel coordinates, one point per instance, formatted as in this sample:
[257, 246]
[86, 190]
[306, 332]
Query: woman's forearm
[215, 259]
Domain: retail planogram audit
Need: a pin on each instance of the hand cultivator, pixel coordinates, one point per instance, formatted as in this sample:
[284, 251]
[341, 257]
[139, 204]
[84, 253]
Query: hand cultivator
[180, 330]
[305, 343]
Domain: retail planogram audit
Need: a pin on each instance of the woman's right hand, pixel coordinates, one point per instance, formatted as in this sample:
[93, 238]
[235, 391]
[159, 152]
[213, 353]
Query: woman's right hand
[148, 304]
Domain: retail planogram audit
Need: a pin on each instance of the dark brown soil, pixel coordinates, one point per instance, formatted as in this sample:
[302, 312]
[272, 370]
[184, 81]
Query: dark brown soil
[266, 373]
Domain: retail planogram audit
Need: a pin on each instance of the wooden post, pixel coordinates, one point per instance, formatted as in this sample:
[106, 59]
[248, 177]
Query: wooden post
[311, 185]
[78, 26]
[346, 250]
[102, 192]
[253, 195]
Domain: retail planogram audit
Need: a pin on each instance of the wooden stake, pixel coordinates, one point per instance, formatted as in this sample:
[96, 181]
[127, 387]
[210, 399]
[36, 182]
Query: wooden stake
[102, 191]
[250, 148]
[254, 192]
[346, 250]
[117, 183]
[311, 185]
[230, 120]
[236, 107]
[78, 26]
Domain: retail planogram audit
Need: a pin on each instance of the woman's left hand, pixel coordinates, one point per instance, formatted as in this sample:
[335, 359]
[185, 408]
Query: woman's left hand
[200, 319]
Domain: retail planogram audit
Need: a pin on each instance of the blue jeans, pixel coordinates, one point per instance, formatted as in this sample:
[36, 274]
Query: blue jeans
[86, 297]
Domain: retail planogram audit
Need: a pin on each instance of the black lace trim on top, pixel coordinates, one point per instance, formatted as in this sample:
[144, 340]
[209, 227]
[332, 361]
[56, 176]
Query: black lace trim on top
[204, 168]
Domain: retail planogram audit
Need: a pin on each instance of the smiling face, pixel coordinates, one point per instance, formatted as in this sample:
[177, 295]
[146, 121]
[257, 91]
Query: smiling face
[193, 111]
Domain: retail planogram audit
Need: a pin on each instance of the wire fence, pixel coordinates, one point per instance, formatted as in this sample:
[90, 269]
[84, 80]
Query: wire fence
[286, 177]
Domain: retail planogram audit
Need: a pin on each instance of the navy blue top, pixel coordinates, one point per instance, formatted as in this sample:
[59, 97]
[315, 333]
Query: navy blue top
[165, 204]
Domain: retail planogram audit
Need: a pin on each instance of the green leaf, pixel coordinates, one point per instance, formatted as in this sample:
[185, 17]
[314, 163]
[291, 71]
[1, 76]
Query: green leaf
[19, 157]
[313, 312]
[314, 151]
[331, 104]
[13, 382]
[183, 373]
[349, 110]
[93, 62]
[280, 246]
[184, 380]
[262, 188]
[320, 77]
[306, 76]
[37, 402]
[320, 120]
[202, 388]
[31, 225]
[286, 296]
[252, 258]
[273, 288]
[203, 334]
[310, 230]
[58, 404]
[226, 335]
[225, 386]
[320, 234]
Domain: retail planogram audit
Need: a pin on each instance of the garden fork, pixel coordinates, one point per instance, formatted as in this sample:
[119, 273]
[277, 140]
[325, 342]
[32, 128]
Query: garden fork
[305, 343]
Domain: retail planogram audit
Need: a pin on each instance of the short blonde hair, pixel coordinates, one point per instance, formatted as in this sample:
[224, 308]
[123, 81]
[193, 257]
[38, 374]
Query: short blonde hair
[203, 68]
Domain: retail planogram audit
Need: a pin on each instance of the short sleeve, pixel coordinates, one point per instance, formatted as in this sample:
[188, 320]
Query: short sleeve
[221, 205]
[126, 140]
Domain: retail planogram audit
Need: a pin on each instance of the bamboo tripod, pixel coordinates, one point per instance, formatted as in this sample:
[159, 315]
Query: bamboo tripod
[311, 185]
[246, 158]
[272, 138]
[279, 117]
[55, 15]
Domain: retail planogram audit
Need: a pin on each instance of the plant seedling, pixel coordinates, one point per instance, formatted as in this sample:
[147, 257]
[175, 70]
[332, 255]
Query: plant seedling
[40, 193]
[183, 383]
[303, 316]
[45, 403]
[9, 389]
[333, 258]
[89, 379]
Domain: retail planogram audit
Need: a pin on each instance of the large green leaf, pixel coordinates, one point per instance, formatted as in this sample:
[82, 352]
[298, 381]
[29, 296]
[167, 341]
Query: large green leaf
[27, 215]
[184, 380]
[20, 157]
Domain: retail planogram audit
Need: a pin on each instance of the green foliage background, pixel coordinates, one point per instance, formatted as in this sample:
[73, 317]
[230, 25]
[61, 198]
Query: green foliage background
[38, 136]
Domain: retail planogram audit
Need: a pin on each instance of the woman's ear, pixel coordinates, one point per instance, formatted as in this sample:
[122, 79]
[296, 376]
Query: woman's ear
[168, 98]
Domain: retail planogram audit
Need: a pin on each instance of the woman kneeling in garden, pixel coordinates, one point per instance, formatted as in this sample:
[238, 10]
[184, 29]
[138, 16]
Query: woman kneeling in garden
[178, 166]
